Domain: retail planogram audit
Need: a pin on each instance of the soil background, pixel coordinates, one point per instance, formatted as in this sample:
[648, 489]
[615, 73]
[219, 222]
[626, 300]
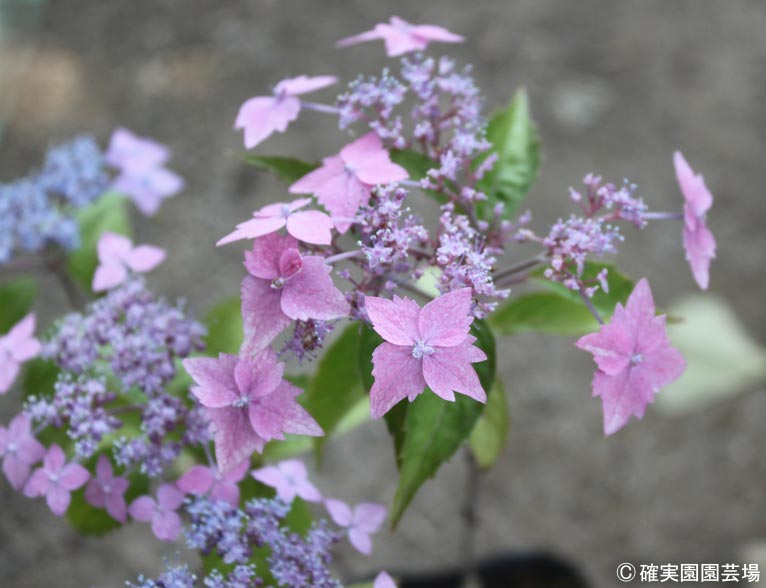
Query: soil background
[615, 88]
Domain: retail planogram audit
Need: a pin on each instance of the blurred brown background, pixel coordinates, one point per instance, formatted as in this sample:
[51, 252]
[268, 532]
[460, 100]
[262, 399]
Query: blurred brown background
[615, 87]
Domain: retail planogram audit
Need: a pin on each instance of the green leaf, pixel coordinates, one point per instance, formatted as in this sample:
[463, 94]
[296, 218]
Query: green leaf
[108, 213]
[543, 312]
[287, 169]
[722, 358]
[39, 377]
[16, 300]
[490, 434]
[514, 139]
[336, 386]
[417, 165]
[224, 328]
[434, 429]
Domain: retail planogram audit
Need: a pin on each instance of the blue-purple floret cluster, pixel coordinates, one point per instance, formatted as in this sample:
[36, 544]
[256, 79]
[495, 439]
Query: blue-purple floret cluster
[118, 357]
[39, 210]
[234, 533]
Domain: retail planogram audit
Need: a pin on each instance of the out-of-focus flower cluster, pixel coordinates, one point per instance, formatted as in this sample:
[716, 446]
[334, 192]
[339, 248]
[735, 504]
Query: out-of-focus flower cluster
[123, 352]
[39, 210]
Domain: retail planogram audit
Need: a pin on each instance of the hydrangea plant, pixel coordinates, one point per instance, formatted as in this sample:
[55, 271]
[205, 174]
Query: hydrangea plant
[132, 409]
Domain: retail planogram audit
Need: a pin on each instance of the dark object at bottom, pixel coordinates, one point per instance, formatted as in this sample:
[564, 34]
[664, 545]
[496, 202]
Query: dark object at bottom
[533, 570]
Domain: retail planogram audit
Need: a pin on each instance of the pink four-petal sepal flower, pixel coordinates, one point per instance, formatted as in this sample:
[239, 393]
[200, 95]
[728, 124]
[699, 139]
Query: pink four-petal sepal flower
[143, 176]
[309, 226]
[345, 181]
[19, 450]
[56, 480]
[423, 347]
[166, 524]
[699, 242]
[360, 522]
[107, 491]
[128, 151]
[16, 347]
[207, 480]
[634, 359]
[290, 479]
[118, 258]
[402, 37]
[248, 404]
[261, 116]
[284, 286]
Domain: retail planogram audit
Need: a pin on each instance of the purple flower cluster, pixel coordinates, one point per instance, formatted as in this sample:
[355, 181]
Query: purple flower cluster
[307, 339]
[373, 100]
[137, 338]
[38, 211]
[388, 231]
[137, 335]
[466, 260]
[622, 201]
[79, 402]
[233, 533]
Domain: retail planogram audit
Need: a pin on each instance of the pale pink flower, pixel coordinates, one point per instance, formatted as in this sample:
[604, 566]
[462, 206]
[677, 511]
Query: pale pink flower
[634, 359]
[383, 580]
[248, 404]
[698, 240]
[261, 116]
[166, 524]
[142, 175]
[128, 151]
[402, 37]
[310, 226]
[283, 286]
[203, 480]
[423, 347]
[290, 479]
[107, 491]
[147, 188]
[118, 257]
[344, 181]
[19, 450]
[361, 522]
[17, 346]
[56, 480]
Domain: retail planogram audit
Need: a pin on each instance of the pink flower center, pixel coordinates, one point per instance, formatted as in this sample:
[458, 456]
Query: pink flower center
[636, 359]
[350, 169]
[286, 210]
[278, 283]
[420, 349]
[241, 402]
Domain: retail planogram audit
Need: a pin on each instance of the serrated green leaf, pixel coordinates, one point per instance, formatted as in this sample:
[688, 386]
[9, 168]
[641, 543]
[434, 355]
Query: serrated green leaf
[514, 139]
[108, 213]
[287, 169]
[543, 312]
[490, 434]
[17, 298]
[434, 429]
[224, 328]
[336, 386]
